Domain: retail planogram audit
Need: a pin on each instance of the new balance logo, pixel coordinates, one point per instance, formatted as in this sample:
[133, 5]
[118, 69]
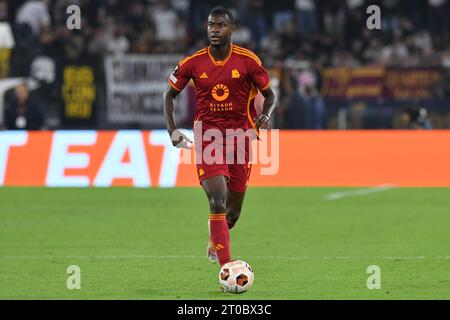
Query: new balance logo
[235, 74]
[218, 247]
[204, 76]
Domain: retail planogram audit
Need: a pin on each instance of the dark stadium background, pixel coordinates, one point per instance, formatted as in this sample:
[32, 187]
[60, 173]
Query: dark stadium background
[347, 191]
[328, 69]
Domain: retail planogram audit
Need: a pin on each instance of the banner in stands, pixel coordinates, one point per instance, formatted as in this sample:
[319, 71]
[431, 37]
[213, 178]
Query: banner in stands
[373, 83]
[299, 158]
[78, 81]
[134, 87]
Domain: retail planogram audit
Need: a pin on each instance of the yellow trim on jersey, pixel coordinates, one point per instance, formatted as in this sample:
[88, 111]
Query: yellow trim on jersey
[242, 48]
[252, 95]
[247, 51]
[201, 50]
[198, 53]
[247, 55]
[266, 87]
[222, 63]
[243, 51]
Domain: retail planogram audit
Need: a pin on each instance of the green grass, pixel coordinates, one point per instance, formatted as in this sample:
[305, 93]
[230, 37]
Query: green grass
[150, 244]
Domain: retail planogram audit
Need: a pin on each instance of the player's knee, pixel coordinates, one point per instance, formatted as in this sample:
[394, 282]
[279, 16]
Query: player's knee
[217, 204]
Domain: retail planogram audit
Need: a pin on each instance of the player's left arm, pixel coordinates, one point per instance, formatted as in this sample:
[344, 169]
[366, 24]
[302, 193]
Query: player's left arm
[269, 105]
[261, 80]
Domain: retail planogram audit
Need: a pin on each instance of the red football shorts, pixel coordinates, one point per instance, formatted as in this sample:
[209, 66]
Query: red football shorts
[237, 175]
[237, 170]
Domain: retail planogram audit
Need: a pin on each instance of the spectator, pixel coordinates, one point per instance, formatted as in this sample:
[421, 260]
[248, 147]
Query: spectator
[417, 119]
[3, 11]
[333, 17]
[315, 107]
[111, 40]
[242, 36]
[293, 106]
[31, 22]
[439, 17]
[290, 40]
[394, 53]
[282, 13]
[117, 43]
[35, 14]
[307, 20]
[22, 111]
[256, 20]
[373, 51]
[169, 29]
[390, 15]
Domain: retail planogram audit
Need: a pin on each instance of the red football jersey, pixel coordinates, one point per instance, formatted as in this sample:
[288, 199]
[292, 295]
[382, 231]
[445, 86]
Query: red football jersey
[225, 89]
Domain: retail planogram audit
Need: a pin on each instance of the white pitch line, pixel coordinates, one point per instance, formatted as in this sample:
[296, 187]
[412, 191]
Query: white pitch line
[359, 192]
[204, 257]
[101, 257]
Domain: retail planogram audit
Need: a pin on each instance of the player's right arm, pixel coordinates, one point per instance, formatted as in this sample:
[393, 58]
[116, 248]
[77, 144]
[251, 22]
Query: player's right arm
[179, 140]
[178, 79]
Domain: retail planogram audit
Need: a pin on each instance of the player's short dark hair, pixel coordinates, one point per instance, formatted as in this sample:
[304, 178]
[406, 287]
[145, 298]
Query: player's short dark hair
[221, 11]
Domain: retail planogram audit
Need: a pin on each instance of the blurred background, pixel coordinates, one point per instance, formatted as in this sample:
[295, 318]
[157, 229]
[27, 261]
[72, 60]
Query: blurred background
[329, 203]
[329, 70]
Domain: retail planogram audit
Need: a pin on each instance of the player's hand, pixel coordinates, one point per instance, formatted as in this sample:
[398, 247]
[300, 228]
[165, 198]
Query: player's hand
[263, 121]
[180, 140]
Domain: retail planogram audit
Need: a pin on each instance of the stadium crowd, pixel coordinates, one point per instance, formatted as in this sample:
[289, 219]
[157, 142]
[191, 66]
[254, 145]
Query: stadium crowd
[317, 33]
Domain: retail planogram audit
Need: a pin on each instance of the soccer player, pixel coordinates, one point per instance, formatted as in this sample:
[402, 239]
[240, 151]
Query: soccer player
[227, 79]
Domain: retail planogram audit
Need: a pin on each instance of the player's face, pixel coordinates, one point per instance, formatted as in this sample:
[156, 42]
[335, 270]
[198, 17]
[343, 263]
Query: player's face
[219, 30]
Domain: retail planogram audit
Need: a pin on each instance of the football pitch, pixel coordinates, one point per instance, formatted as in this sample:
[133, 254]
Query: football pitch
[303, 243]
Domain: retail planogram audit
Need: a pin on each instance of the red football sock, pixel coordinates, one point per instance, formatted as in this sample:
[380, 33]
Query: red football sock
[220, 237]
